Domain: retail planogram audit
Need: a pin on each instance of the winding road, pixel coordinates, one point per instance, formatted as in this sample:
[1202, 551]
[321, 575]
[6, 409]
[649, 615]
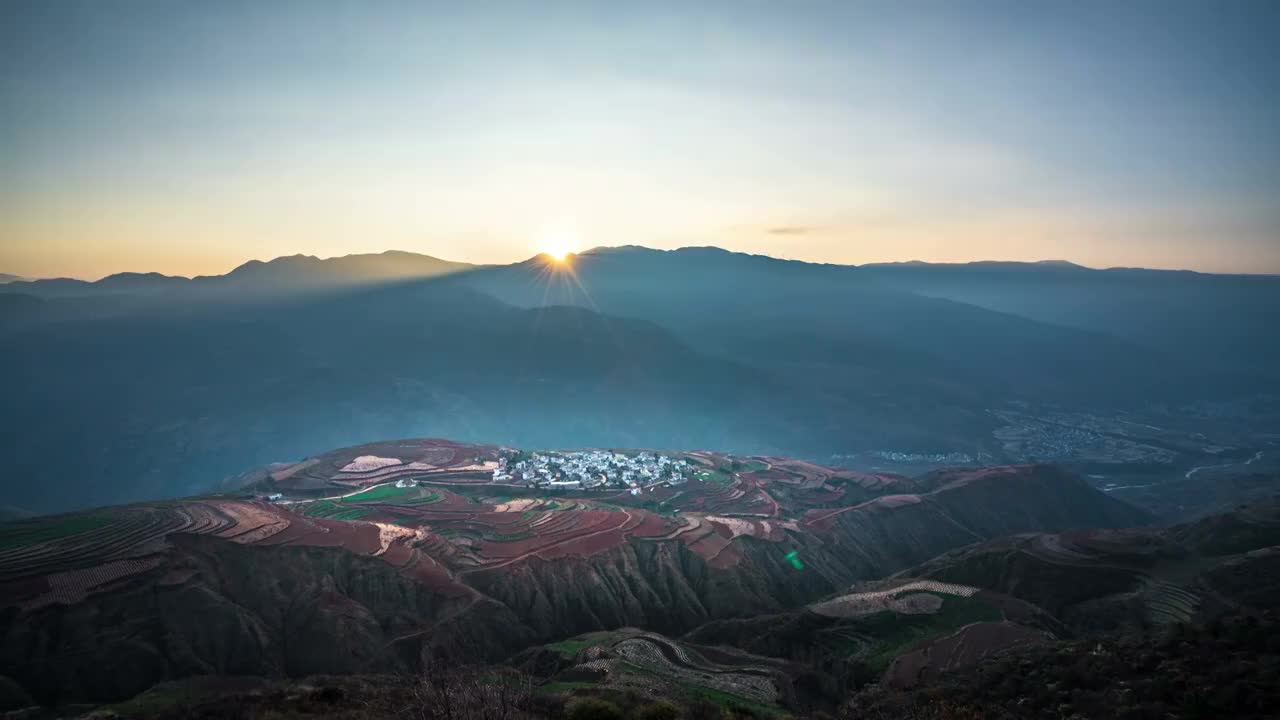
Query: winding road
[1256, 457]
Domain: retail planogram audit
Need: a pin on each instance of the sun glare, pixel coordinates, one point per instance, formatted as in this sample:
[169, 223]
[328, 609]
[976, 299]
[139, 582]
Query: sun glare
[558, 245]
[557, 251]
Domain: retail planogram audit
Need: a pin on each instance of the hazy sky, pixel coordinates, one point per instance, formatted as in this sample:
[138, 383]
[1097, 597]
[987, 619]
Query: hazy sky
[187, 137]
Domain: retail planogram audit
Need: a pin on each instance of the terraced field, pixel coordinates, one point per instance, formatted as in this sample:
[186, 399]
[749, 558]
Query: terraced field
[937, 626]
[1168, 603]
[669, 660]
[497, 567]
[897, 599]
[458, 520]
[386, 462]
[726, 500]
[38, 530]
[640, 660]
[66, 558]
[721, 485]
[42, 567]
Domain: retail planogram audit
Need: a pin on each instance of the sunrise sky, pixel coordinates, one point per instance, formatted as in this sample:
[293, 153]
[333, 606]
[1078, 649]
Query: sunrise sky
[188, 137]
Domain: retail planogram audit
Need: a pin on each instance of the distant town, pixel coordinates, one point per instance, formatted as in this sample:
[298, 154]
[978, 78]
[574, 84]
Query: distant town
[592, 469]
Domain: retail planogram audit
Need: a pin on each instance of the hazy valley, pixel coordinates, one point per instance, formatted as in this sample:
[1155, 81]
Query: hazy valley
[151, 380]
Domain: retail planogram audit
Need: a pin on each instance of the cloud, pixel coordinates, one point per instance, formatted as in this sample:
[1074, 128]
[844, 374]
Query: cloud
[790, 230]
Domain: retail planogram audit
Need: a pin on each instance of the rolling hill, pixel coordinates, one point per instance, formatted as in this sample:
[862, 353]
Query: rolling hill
[455, 564]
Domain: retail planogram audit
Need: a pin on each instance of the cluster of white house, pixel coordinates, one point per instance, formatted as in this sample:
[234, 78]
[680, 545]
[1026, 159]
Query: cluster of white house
[591, 469]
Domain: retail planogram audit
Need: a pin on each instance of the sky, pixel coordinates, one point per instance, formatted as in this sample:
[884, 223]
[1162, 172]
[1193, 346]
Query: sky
[187, 137]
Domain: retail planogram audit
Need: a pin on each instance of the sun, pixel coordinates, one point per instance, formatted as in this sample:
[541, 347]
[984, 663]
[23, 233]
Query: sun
[557, 251]
[558, 245]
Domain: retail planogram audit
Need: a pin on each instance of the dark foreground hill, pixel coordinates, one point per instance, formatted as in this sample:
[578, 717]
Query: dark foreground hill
[1023, 594]
[1229, 668]
[955, 656]
[444, 562]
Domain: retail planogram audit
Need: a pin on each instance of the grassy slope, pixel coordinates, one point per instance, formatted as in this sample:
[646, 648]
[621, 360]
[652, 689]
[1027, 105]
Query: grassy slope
[894, 633]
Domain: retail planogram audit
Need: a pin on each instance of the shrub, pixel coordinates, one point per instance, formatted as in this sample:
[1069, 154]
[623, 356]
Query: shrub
[590, 708]
[661, 710]
[446, 692]
[704, 709]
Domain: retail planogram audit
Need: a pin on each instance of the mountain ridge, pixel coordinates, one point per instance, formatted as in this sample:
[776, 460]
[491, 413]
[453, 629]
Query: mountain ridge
[405, 255]
[290, 271]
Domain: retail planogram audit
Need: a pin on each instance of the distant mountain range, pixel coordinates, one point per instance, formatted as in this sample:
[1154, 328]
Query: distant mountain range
[140, 386]
[281, 275]
[1194, 323]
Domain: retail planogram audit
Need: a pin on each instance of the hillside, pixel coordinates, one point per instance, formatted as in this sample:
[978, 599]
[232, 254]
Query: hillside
[992, 624]
[455, 564]
[1106, 580]
[1224, 669]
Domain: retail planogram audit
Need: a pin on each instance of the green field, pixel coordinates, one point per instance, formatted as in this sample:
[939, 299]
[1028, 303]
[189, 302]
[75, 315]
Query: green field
[552, 688]
[570, 648]
[381, 493]
[352, 514]
[430, 497]
[30, 532]
[320, 508]
[729, 700]
[717, 476]
[340, 509]
[335, 511]
[755, 466]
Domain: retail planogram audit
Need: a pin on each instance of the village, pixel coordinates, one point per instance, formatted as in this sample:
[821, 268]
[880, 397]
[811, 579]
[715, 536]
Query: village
[592, 469]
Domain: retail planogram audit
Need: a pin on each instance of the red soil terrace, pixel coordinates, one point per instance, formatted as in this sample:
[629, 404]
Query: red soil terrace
[451, 531]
